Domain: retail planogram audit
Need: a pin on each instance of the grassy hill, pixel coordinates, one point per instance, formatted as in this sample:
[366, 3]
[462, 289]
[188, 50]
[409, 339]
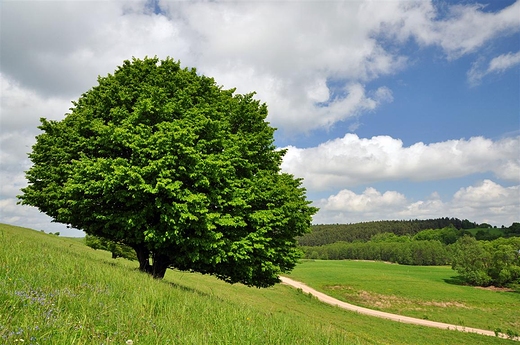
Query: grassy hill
[487, 233]
[56, 290]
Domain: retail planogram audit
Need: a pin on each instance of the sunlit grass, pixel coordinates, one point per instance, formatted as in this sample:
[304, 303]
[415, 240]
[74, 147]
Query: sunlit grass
[428, 292]
[56, 290]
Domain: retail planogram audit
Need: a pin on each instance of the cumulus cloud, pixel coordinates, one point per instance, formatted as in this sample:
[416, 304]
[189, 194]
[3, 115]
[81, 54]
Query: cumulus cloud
[484, 202]
[30, 217]
[460, 31]
[369, 202]
[351, 161]
[291, 59]
[20, 111]
[21, 108]
[59, 48]
[468, 27]
[298, 61]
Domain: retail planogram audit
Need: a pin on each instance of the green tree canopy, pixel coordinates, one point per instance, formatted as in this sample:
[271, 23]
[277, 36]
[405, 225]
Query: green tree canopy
[487, 262]
[164, 160]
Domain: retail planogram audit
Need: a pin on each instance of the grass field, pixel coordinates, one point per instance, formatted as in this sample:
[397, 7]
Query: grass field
[56, 290]
[492, 231]
[427, 292]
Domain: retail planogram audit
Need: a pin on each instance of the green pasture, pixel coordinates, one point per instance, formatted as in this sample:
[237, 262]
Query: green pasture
[492, 231]
[427, 292]
[55, 290]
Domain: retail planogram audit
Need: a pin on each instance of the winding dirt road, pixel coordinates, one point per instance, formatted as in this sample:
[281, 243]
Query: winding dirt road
[394, 317]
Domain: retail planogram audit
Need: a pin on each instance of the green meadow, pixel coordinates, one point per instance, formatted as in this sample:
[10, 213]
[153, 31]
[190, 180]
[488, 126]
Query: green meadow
[425, 292]
[491, 231]
[56, 290]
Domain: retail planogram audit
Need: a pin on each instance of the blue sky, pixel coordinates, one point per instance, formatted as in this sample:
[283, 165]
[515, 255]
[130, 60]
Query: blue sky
[388, 109]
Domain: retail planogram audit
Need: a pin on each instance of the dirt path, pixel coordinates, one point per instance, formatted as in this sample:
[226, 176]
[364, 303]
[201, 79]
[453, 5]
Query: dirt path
[394, 317]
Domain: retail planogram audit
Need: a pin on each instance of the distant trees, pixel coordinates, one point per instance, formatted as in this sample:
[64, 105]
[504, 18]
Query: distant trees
[470, 259]
[513, 230]
[330, 233]
[398, 249]
[118, 250]
[447, 235]
[466, 224]
[485, 235]
[445, 230]
[482, 255]
[487, 263]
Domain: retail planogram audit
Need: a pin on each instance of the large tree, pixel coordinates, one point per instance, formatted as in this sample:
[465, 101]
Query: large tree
[164, 160]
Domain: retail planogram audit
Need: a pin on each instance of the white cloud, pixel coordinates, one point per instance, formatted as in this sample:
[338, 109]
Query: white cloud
[290, 58]
[14, 147]
[369, 202]
[476, 72]
[469, 28]
[504, 62]
[30, 217]
[351, 161]
[12, 182]
[59, 48]
[487, 194]
[296, 55]
[21, 108]
[485, 202]
[498, 64]
[463, 29]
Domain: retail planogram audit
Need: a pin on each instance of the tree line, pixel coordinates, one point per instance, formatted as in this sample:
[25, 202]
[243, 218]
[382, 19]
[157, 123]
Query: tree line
[479, 262]
[118, 250]
[329, 233]
[487, 263]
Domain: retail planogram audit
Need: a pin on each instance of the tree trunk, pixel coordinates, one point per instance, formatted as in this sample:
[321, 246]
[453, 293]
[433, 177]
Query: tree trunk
[143, 255]
[160, 265]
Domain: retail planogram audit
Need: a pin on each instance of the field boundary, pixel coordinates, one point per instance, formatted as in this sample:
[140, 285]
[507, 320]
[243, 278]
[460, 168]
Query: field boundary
[389, 316]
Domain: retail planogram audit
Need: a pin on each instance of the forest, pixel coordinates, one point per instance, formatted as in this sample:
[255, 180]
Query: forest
[330, 233]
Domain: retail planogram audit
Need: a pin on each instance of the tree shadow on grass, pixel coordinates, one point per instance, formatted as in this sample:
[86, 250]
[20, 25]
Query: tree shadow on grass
[455, 280]
[458, 280]
[115, 263]
[188, 289]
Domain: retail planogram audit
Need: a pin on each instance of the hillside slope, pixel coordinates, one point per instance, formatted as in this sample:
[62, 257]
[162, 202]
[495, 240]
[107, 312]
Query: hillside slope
[58, 291]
